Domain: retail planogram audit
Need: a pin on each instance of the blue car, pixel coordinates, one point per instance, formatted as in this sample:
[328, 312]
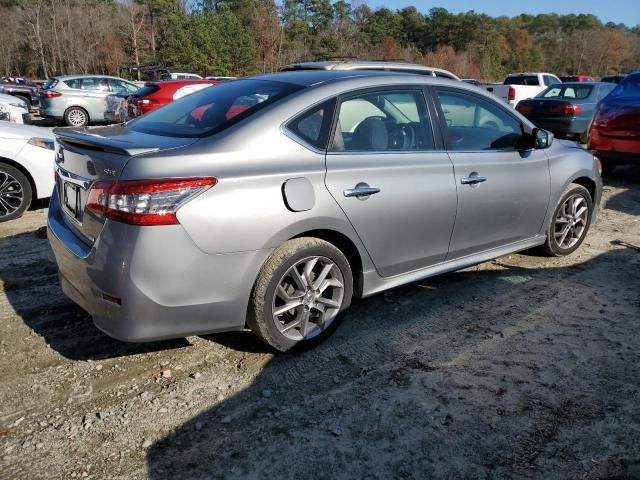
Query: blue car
[566, 109]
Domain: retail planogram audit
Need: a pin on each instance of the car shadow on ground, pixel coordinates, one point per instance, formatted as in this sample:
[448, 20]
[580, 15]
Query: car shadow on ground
[498, 373]
[627, 201]
[30, 282]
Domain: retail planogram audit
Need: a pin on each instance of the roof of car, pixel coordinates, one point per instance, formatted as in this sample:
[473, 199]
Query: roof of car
[85, 75]
[308, 78]
[364, 65]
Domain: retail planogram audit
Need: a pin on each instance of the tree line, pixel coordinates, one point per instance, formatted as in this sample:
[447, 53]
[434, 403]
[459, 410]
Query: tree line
[41, 38]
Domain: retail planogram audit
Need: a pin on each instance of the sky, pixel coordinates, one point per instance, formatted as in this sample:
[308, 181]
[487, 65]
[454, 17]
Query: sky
[618, 11]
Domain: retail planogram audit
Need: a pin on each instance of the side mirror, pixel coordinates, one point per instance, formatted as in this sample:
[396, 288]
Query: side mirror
[541, 138]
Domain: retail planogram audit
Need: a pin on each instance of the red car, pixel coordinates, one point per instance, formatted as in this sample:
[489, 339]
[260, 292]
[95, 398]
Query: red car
[614, 135]
[157, 94]
[576, 78]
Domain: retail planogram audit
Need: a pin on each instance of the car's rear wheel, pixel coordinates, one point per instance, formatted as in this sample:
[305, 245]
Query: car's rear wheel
[15, 193]
[300, 293]
[76, 117]
[570, 223]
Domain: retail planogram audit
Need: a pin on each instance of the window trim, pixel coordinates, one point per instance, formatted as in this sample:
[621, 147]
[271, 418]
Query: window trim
[400, 88]
[524, 128]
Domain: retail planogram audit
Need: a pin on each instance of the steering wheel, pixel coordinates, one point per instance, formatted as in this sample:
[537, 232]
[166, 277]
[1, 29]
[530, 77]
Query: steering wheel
[404, 137]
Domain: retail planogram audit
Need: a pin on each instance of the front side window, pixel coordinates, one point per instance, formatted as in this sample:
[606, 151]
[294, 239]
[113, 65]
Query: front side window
[473, 124]
[118, 86]
[212, 109]
[383, 121]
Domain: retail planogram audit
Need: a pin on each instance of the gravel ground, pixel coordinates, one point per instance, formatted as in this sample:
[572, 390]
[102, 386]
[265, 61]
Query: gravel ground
[524, 367]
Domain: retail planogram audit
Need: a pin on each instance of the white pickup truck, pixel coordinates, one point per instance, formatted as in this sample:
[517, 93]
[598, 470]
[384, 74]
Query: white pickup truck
[518, 86]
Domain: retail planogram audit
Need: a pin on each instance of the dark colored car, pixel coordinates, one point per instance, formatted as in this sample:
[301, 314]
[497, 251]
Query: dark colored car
[576, 78]
[566, 109]
[156, 94]
[615, 132]
[613, 78]
[26, 91]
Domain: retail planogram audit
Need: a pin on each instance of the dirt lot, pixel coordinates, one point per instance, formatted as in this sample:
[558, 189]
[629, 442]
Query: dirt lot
[522, 367]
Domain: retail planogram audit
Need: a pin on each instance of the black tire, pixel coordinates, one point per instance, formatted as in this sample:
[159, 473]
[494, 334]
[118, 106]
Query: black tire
[26, 99]
[12, 182]
[552, 247]
[72, 114]
[260, 318]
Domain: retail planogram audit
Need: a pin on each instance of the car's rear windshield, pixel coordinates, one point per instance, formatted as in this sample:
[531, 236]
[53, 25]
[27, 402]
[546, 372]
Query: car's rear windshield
[52, 82]
[148, 89]
[522, 80]
[213, 109]
[573, 92]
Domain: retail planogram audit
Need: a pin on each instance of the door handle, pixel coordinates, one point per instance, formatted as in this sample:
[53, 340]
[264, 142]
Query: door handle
[360, 191]
[473, 180]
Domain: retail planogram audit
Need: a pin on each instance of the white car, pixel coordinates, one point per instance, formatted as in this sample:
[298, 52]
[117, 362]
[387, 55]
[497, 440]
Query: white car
[12, 109]
[520, 86]
[26, 167]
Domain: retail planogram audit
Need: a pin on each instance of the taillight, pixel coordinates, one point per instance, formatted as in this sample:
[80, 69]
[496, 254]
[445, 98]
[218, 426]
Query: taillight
[567, 109]
[512, 94]
[52, 94]
[524, 108]
[147, 104]
[145, 202]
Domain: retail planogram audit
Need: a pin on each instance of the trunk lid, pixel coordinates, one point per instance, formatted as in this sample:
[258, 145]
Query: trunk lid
[84, 156]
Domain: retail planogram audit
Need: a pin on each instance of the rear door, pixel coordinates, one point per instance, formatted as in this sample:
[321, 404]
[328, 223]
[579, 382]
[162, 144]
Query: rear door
[395, 186]
[503, 192]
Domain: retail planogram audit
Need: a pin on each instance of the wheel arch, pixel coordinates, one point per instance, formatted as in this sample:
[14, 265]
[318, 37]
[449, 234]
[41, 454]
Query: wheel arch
[25, 172]
[587, 183]
[347, 247]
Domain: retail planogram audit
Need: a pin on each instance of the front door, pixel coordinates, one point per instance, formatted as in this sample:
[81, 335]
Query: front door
[397, 191]
[503, 191]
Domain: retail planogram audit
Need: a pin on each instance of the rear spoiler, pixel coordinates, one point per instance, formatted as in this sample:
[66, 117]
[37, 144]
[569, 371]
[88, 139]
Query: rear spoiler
[98, 143]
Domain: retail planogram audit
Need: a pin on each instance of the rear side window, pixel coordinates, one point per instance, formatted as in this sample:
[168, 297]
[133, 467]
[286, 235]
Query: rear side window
[94, 83]
[73, 82]
[314, 125]
[212, 110]
[522, 80]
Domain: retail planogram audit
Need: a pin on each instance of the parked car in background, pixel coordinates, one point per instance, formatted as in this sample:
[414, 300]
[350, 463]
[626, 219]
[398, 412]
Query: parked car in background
[202, 216]
[576, 78]
[614, 135]
[613, 78]
[157, 94]
[80, 99]
[13, 109]
[388, 66]
[566, 109]
[519, 86]
[180, 76]
[26, 167]
[221, 79]
[23, 90]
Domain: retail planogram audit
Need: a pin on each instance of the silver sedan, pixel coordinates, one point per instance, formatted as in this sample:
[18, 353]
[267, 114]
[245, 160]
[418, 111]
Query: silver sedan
[270, 202]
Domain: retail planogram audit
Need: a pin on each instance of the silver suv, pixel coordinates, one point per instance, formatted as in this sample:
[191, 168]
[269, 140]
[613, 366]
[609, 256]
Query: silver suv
[388, 66]
[80, 99]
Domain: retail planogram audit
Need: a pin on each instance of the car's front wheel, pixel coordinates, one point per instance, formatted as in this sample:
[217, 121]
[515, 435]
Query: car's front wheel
[570, 223]
[15, 193]
[299, 294]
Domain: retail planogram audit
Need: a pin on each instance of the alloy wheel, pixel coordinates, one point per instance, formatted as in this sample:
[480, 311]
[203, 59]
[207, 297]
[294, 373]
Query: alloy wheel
[11, 194]
[571, 221]
[77, 118]
[308, 298]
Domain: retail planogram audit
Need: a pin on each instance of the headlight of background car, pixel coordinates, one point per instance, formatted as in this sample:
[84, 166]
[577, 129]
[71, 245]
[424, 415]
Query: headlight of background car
[41, 142]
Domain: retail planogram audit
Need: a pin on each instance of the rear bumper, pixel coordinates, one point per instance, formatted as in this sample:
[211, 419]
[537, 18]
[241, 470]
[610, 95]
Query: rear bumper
[52, 111]
[562, 126]
[620, 149]
[164, 285]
